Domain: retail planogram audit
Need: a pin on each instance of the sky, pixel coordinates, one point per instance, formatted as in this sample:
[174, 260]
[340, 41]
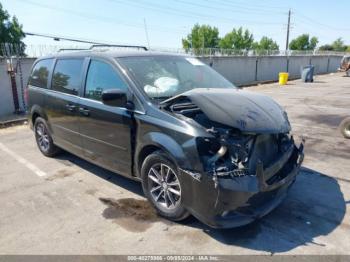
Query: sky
[168, 21]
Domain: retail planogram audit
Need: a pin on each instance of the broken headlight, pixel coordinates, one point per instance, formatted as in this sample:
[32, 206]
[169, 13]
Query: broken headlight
[207, 147]
[227, 155]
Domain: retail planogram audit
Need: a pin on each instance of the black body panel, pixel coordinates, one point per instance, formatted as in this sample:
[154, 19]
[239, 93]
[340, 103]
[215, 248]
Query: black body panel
[247, 111]
[63, 120]
[106, 135]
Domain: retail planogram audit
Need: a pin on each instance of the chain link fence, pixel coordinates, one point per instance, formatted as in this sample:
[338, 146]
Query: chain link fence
[14, 84]
[219, 52]
[16, 61]
[8, 50]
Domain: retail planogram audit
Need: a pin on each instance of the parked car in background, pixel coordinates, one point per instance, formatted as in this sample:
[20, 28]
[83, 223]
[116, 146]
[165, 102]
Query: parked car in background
[198, 144]
[345, 65]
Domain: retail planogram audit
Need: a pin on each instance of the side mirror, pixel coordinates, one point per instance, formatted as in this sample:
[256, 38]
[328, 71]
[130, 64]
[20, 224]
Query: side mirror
[115, 97]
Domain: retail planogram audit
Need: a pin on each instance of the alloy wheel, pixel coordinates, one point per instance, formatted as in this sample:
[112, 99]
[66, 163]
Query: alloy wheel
[347, 129]
[42, 137]
[164, 186]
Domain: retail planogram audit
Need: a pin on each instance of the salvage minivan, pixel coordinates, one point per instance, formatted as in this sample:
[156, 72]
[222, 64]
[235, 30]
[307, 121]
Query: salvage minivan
[198, 144]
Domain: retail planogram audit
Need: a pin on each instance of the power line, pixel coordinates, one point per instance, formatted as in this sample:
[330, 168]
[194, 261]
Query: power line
[100, 18]
[223, 9]
[309, 27]
[190, 14]
[305, 18]
[255, 5]
[220, 6]
[245, 6]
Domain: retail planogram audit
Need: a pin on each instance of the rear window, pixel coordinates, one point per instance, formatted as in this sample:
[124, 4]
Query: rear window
[40, 73]
[67, 76]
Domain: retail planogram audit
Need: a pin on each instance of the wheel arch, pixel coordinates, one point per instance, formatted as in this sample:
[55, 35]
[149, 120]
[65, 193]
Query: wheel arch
[35, 112]
[156, 141]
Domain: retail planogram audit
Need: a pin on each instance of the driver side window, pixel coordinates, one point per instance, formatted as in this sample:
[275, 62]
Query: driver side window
[100, 77]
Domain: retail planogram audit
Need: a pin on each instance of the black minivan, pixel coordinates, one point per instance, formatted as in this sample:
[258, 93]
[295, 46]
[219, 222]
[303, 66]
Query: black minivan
[198, 144]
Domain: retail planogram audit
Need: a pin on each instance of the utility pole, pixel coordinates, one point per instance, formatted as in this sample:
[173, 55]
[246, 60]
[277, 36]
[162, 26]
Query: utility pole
[146, 32]
[288, 28]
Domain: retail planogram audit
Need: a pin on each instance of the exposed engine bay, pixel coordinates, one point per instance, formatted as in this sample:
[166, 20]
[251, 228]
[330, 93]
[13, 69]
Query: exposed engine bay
[235, 150]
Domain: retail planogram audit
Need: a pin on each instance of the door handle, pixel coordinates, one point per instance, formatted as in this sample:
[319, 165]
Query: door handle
[84, 111]
[70, 107]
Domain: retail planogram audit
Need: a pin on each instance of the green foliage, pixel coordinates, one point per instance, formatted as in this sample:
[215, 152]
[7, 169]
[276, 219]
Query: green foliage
[338, 45]
[237, 39]
[11, 32]
[303, 42]
[265, 44]
[201, 36]
[326, 47]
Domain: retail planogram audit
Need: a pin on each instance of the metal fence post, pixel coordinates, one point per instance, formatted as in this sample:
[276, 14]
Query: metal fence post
[328, 61]
[12, 74]
[256, 68]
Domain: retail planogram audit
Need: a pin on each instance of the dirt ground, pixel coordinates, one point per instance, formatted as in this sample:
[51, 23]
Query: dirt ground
[65, 205]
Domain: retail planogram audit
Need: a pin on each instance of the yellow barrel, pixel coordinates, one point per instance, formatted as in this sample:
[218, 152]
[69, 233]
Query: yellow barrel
[283, 78]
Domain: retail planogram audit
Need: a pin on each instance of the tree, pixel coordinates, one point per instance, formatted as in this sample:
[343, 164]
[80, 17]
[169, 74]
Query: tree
[348, 49]
[201, 36]
[10, 32]
[326, 47]
[338, 45]
[303, 42]
[265, 44]
[237, 39]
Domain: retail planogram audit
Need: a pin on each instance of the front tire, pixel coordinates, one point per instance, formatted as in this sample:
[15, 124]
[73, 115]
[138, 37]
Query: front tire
[345, 127]
[44, 139]
[162, 187]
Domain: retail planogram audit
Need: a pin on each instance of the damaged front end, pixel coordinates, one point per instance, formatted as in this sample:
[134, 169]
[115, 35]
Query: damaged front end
[247, 170]
[260, 156]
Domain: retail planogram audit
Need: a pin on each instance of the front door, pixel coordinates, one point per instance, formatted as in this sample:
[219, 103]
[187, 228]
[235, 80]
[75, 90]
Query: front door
[105, 130]
[61, 103]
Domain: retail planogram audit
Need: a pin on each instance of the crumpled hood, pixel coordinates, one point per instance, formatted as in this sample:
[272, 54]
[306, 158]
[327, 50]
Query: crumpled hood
[247, 111]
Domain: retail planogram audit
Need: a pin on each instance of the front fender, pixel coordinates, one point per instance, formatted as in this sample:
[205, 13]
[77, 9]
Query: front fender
[167, 144]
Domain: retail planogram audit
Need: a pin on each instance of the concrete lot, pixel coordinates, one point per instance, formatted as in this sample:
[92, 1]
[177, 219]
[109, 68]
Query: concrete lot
[53, 206]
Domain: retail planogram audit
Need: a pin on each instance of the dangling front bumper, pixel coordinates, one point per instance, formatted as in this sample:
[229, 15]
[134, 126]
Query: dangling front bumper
[236, 201]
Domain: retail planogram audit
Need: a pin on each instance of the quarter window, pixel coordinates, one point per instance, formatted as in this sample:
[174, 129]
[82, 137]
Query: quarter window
[101, 76]
[67, 76]
[40, 73]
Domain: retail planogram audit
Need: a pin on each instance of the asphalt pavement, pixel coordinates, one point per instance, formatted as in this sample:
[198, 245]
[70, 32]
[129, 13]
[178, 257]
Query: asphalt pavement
[66, 205]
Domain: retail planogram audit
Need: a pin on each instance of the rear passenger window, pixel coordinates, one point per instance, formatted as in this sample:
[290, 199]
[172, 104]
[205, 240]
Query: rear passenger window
[101, 76]
[67, 76]
[40, 73]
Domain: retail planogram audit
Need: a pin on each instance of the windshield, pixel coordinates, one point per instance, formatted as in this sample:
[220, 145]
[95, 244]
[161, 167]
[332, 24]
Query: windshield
[162, 77]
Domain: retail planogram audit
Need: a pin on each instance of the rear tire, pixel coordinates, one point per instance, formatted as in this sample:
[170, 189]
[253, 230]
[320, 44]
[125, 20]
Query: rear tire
[162, 186]
[43, 138]
[345, 127]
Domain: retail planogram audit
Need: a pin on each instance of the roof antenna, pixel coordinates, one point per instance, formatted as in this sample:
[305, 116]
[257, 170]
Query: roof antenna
[146, 32]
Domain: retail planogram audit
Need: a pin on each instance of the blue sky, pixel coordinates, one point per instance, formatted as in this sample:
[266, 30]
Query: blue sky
[122, 21]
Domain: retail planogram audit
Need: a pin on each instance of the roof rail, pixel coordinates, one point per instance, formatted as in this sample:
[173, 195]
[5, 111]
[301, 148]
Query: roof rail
[72, 49]
[127, 46]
